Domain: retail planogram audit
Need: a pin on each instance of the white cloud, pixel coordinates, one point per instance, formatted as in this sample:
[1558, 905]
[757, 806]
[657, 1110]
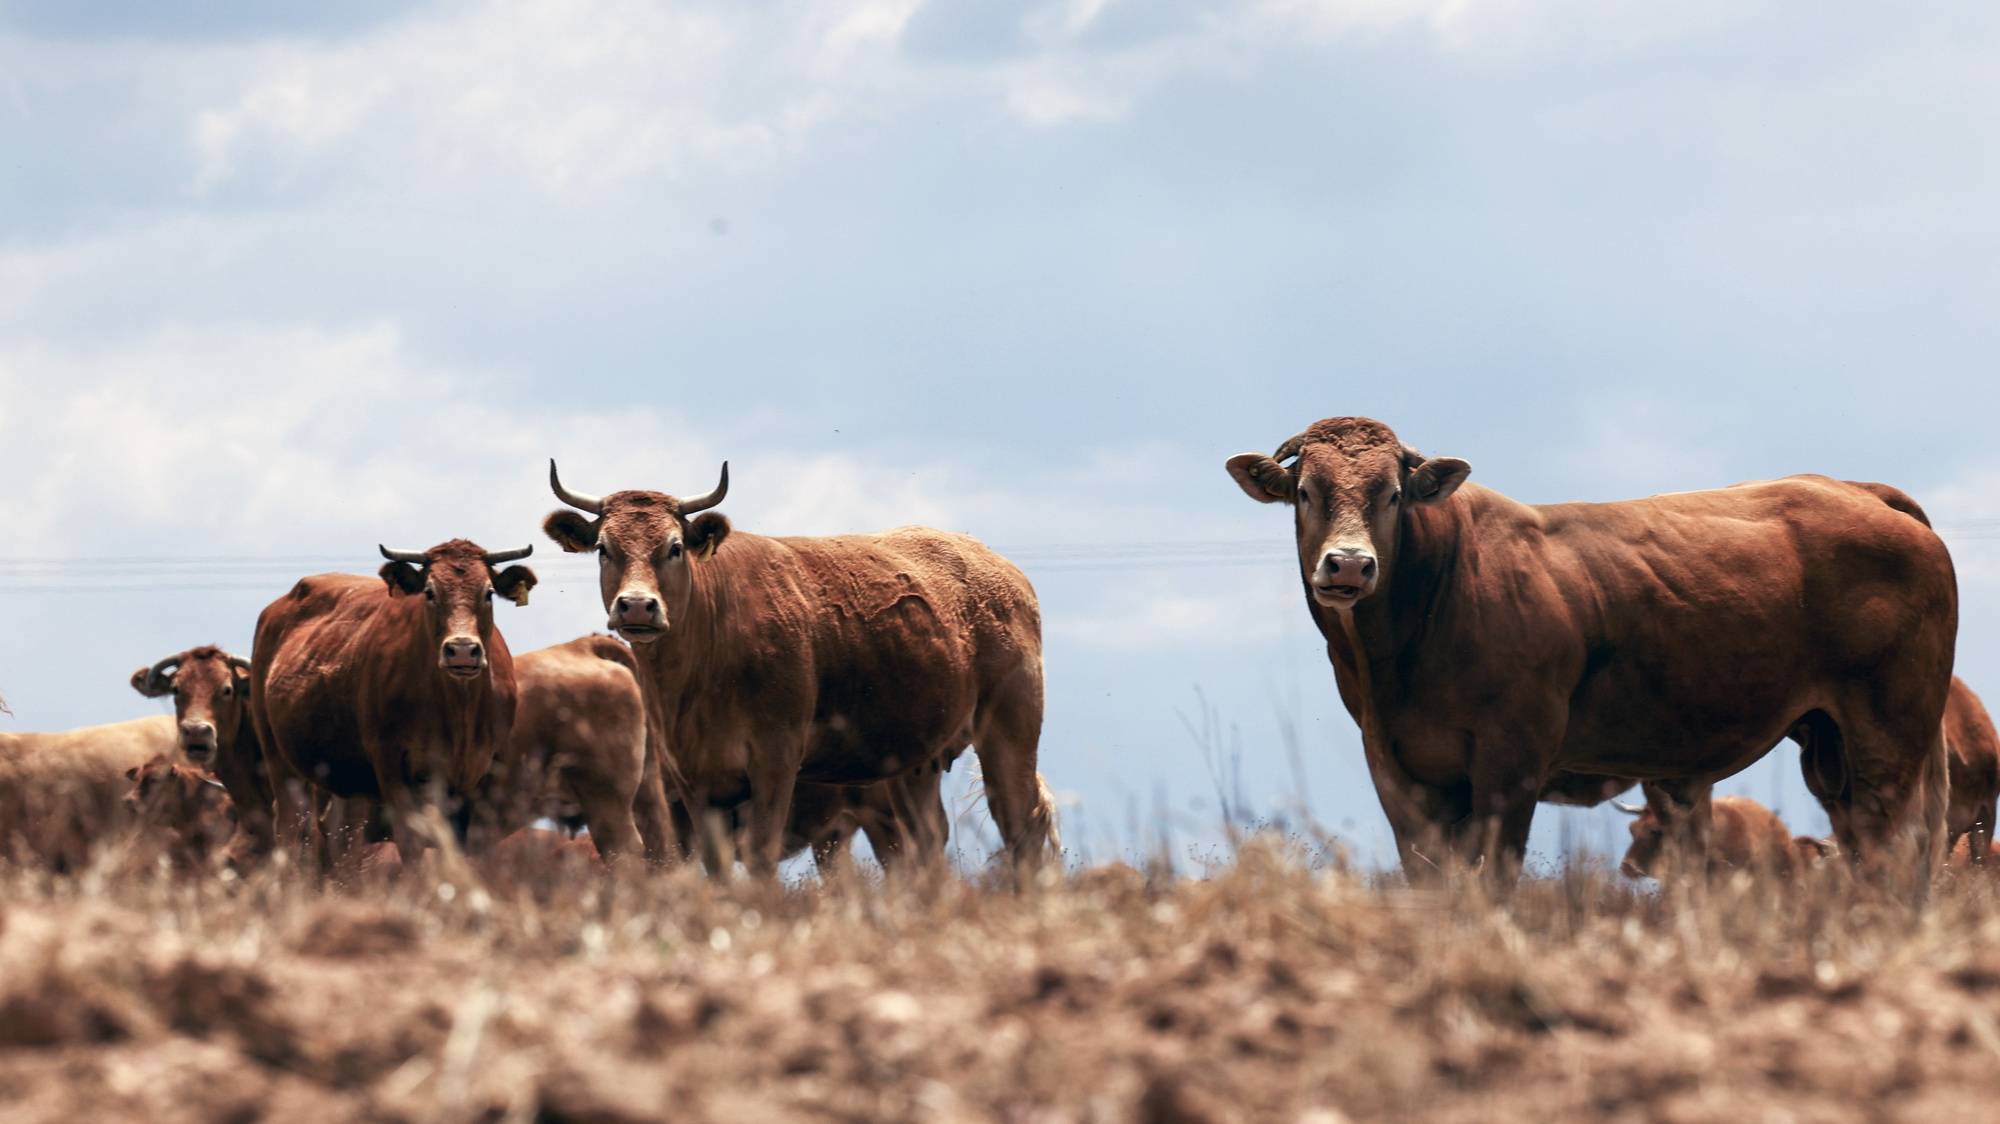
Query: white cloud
[1212, 607]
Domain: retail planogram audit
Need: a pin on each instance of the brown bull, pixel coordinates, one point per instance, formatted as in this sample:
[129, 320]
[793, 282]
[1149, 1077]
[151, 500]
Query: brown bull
[1975, 770]
[211, 693]
[188, 811]
[398, 688]
[1742, 835]
[1492, 651]
[62, 793]
[770, 661]
[579, 745]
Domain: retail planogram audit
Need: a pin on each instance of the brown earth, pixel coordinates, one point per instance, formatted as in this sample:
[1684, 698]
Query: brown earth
[1273, 989]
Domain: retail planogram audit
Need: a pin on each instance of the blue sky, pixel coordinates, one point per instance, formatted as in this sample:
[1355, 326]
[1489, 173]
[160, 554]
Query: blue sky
[276, 284]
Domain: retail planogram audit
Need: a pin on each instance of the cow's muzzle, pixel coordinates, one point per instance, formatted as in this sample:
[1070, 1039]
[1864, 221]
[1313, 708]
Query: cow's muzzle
[638, 617]
[1344, 576]
[462, 656]
[197, 740]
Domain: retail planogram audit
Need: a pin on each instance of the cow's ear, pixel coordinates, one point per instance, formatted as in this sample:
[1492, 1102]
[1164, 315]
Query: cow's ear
[572, 531]
[706, 533]
[513, 583]
[402, 578]
[132, 774]
[1436, 479]
[150, 685]
[1261, 478]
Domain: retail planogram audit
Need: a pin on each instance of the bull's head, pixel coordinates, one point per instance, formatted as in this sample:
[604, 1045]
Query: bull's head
[458, 581]
[1350, 485]
[646, 543]
[210, 689]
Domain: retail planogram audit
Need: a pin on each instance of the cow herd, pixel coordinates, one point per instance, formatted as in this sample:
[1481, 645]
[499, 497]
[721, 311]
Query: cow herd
[766, 695]
[762, 696]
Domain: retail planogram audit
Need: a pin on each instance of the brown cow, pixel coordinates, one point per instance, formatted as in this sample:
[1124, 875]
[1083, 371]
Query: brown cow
[770, 661]
[1743, 835]
[190, 811]
[398, 688]
[211, 692]
[1491, 651]
[579, 742]
[1975, 770]
[63, 793]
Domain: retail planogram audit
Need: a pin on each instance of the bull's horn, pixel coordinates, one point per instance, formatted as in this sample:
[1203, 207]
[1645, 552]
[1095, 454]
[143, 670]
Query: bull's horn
[1629, 809]
[578, 500]
[502, 557]
[213, 783]
[1291, 448]
[692, 504]
[413, 557]
[240, 664]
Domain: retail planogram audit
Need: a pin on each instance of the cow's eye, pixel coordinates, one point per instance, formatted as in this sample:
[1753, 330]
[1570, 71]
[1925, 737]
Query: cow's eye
[228, 691]
[1305, 498]
[430, 594]
[1395, 497]
[674, 551]
[489, 593]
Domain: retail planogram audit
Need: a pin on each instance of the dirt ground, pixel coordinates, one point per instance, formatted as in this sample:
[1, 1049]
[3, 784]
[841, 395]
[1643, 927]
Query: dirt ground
[1275, 988]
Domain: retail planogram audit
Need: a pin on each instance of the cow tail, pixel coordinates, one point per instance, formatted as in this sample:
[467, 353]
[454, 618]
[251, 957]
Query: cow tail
[1896, 498]
[1045, 813]
[1936, 801]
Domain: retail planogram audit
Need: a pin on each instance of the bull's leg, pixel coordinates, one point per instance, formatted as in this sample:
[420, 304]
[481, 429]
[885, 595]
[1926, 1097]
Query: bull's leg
[1007, 739]
[830, 852]
[920, 820]
[1889, 810]
[770, 810]
[685, 844]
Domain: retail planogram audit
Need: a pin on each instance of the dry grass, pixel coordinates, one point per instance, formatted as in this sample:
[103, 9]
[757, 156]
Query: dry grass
[1274, 989]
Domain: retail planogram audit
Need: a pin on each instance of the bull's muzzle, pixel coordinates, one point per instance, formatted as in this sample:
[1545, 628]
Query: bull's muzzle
[1344, 575]
[462, 656]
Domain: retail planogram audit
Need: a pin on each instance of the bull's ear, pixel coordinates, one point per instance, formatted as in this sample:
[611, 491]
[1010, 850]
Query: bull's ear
[706, 533]
[1436, 479]
[402, 578]
[513, 583]
[572, 531]
[150, 685]
[1261, 478]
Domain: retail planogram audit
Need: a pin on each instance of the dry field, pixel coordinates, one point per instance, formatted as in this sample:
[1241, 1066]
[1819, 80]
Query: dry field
[1274, 987]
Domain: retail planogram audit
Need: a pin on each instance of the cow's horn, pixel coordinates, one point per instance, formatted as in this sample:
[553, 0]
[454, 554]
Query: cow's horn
[1629, 809]
[240, 664]
[502, 557]
[692, 504]
[1291, 448]
[157, 678]
[592, 504]
[213, 783]
[413, 557]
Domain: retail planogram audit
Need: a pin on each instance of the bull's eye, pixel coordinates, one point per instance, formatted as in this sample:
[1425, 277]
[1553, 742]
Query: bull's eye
[228, 691]
[675, 550]
[1395, 497]
[489, 593]
[430, 595]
